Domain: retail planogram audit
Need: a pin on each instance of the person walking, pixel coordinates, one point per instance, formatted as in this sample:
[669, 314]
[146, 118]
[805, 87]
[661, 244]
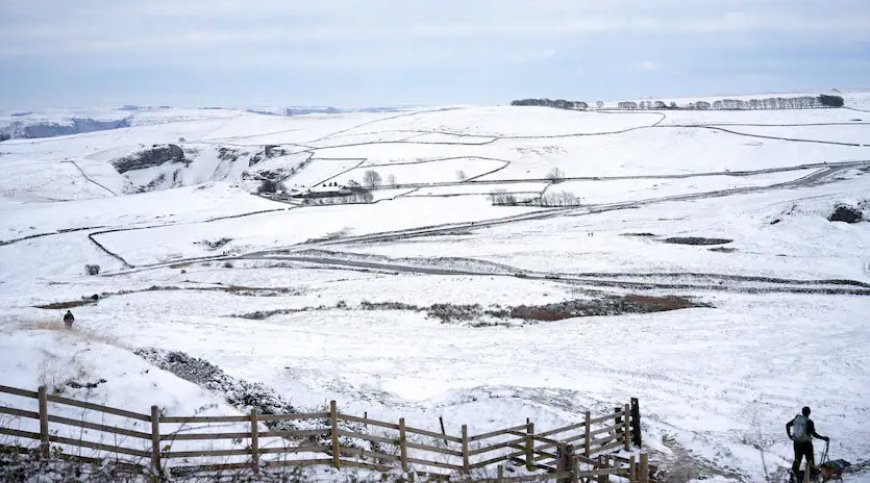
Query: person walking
[801, 430]
[68, 319]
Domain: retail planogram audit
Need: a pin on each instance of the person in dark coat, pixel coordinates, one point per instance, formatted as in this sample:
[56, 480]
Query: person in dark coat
[802, 430]
[68, 319]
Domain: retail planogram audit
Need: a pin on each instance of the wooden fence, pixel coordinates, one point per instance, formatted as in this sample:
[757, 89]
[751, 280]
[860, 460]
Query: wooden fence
[573, 453]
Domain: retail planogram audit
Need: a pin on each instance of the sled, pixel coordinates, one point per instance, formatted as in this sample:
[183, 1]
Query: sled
[827, 470]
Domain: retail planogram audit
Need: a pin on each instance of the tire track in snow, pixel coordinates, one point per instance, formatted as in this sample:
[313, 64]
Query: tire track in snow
[777, 285]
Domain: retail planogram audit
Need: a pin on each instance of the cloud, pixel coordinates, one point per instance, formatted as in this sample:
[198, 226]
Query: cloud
[466, 49]
[44, 27]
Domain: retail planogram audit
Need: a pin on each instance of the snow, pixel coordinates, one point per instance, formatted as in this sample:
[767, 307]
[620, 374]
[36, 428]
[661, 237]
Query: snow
[281, 294]
[628, 190]
[284, 229]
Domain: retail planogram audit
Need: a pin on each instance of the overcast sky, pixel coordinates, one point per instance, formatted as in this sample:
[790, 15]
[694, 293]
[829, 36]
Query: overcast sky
[61, 53]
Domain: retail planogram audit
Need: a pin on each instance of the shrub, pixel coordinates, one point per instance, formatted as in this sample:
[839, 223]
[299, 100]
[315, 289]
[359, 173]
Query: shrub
[830, 101]
[267, 186]
[555, 175]
[92, 269]
[846, 214]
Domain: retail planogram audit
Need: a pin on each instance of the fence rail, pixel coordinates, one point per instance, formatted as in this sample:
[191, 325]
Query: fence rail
[576, 452]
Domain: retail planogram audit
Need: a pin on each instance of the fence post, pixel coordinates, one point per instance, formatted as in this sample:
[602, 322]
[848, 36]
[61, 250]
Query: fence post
[587, 436]
[500, 477]
[403, 448]
[602, 465]
[561, 463]
[530, 446]
[626, 430]
[443, 432]
[644, 468]
[632, 470]
[617, 420]
[255, 443]
[635, 421]
[465, 466]
[333, 422]
[575, 467]
[43, 422]
[155, 442]
[565, 462]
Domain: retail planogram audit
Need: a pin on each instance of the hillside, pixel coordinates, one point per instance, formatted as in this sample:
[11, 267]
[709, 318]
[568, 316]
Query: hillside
[508, 262]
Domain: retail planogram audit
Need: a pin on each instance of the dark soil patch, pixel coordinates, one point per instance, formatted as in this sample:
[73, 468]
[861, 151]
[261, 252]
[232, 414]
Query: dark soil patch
[696, 240]
[846, 214]
[66, 305]
[642, 234]
[723, 249]
[616, 305]
[480, 316]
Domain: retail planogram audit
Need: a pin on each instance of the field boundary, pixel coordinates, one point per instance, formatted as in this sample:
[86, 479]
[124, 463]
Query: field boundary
[577, 452]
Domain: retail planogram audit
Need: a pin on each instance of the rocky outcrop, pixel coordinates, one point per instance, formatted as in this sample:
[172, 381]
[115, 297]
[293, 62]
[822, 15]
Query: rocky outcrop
[156, 156]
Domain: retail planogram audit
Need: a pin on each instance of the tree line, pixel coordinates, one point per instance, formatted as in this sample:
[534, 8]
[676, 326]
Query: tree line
[798, 102]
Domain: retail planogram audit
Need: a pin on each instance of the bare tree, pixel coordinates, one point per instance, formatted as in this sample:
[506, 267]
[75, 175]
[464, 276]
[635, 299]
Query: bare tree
[391, 180]
[555, 175]
[460, 175]
[371, 178]
[496, 195]
[562, 198]
[502, 197]
[599, 104]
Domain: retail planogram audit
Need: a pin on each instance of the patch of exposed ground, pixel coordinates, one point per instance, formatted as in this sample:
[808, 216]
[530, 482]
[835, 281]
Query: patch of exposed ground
[479, 316]
[237, 392]
[66, 305]
[246, 395]
[612, 305]
[696, 240]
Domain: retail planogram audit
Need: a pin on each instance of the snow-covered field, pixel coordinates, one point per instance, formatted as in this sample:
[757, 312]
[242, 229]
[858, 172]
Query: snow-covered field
[728, 210]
